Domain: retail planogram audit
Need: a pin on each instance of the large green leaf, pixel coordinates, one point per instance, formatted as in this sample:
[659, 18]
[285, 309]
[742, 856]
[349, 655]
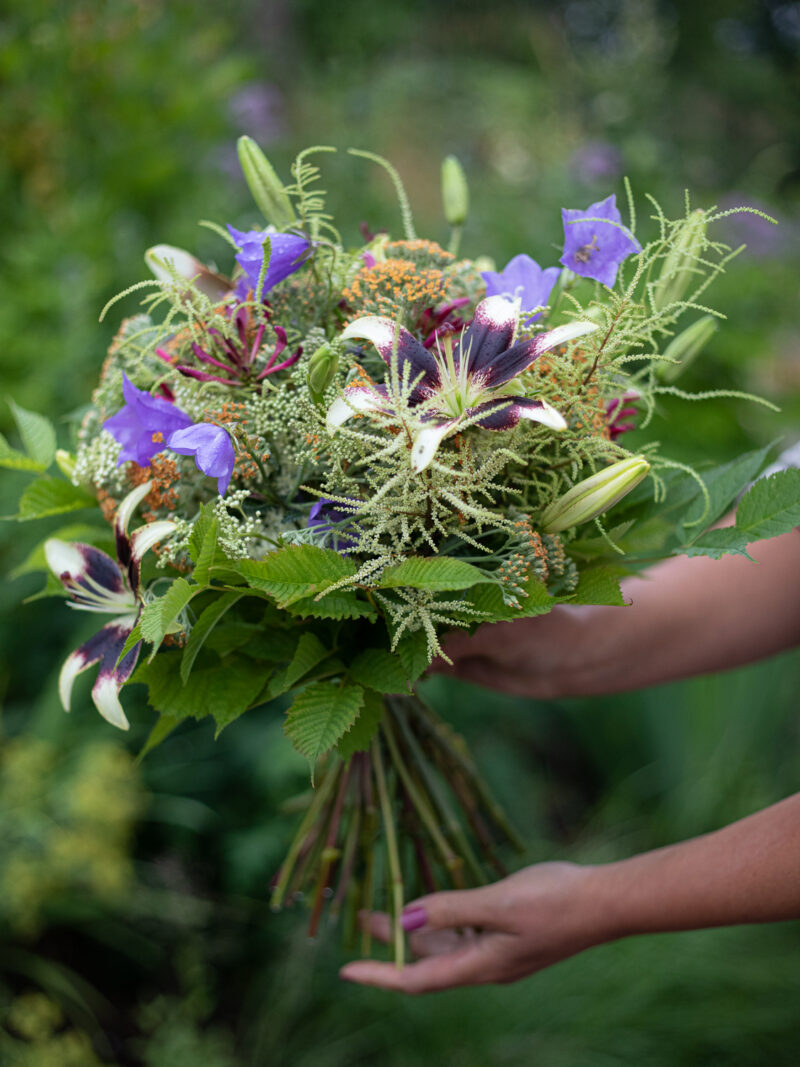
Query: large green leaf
[599, 585]
[206, 557]
[13, 459]
[723, 484]
[336, 605]
[361, 733]
[717, 543]
[320, 715]
[299, 571]
[375, 668]
[52, 496]
[413, 652]
[203, 627]
[37, 433]
[309, 653]
[488, 604]
[159, 615]
[771, 506]
[433, 573]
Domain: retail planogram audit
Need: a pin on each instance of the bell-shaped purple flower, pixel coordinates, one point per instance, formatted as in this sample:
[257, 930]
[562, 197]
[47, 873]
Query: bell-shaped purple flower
[522, 279]
[143, 424]
[287, 254]
[212, 449]
[596, 242]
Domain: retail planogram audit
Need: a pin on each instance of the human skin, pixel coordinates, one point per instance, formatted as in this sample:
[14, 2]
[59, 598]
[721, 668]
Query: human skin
[687, 617]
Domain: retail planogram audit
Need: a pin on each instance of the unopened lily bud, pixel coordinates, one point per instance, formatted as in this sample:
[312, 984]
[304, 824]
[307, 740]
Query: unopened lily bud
[594, 495]
[686, 347]
[679, 269]
[265, 185]
[322, 369]
[455, 194]
[165, 261]
[65, 461]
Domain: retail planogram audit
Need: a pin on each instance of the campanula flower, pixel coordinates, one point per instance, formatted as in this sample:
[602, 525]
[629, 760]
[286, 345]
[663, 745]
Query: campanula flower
[95, 582]
[522, 279]
[464, 378]
[595, 249]
[212, 449]
[287, 254]
[325, 515]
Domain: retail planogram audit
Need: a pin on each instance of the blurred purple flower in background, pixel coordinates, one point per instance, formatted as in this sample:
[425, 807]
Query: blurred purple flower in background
[596, 249]
[764, 240]
[522, 278]
[259, 110]
[596, 161]
[288, 254]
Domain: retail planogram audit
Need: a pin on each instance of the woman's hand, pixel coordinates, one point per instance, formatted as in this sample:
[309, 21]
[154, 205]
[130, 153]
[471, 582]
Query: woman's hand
[498, 933]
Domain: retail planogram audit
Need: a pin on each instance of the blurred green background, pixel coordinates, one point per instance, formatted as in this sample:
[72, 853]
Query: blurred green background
[133, 915]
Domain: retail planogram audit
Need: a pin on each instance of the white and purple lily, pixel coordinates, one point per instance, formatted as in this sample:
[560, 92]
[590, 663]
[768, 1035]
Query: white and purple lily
[465, 379]
[96, 582]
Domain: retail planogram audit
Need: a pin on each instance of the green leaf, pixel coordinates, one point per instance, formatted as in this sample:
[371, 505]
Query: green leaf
[717, 543]
[159, 615]
[320, 715]
[771, 506]
[434, 573]
[207, 554]
[271, 644]
[131, 641]
[488, 604]
[163, 727]
[598, 585]
[202, 628]
[12, 459]
[298, 571]
[413, 652]
[310, 652]
[99, 536]
[336, 605]
[724, 484]
[223, 689]
[37, 433]
[374, 668]
[361, 733]
[52, 496]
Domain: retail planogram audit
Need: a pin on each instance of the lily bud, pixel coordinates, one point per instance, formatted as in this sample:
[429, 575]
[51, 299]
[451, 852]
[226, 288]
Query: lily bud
[455, 194]
[679, 269]
[165, 261]
[265, 185]
[322, 369]
[686, 347]
[594, 495]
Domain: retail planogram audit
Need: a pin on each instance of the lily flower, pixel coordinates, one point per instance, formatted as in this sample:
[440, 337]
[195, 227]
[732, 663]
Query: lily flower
[96, 582]
[464, 379]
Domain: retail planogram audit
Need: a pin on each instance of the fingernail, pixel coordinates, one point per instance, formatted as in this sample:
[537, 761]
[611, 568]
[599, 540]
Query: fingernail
[413, 919]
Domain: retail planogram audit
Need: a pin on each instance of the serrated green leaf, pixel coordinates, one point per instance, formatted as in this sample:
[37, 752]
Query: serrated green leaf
[488, 604]
[202, 628]
[433, 573]
[200, 527]
[337, 605]
[320, 715]
[37, 433]
[222, 689]
[724, 484]
[299, 571]
[717, 543]
[159, 615]
[310, 651]
[413, 652]
[361, 733]
[771, 506]
[374, 668]
[131, 641]
[271, 644]
[207, 554]
[13, 460]
[52, 496]
[598, 585]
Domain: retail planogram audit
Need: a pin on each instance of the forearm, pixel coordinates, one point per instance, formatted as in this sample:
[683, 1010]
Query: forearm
[687, 617]
[748, 872]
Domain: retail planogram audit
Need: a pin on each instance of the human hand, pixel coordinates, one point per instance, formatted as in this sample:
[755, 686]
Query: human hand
[495, 934]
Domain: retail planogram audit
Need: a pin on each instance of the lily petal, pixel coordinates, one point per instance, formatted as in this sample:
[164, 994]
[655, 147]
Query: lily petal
[388, 337]
[160, 258]
[103, 648]
[427, 442]
[515, 360]
[356, 398]
[91, 577]
[505, 413]
[491, 331]
[143, 539]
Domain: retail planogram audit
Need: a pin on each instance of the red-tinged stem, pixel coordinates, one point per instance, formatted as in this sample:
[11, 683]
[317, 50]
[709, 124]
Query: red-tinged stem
[330, 853]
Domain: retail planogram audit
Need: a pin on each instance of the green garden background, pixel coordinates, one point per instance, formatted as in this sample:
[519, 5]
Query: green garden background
[134, 924]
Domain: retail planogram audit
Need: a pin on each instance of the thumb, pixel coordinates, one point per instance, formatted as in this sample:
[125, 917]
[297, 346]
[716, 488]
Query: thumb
[440, 911]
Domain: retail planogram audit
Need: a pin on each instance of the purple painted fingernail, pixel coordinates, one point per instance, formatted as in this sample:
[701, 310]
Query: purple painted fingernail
[413, 919]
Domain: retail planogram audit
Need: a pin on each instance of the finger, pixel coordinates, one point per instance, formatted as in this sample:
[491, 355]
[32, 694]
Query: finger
[378, 923]
[466, 967]
[423, 942]
[466, 907]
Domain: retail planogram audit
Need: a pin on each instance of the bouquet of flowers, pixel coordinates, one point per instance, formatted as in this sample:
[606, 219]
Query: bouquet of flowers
[320, 457]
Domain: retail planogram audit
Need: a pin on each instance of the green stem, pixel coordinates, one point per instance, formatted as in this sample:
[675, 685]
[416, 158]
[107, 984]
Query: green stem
[330, 853]
[321, 795]
[392, 853]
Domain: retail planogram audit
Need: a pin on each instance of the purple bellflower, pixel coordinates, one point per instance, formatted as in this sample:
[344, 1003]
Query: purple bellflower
[596, 242]
[522, 279]
[463, 379]
[288, 254]
[325, 515]
[149, 424]
[95, 582]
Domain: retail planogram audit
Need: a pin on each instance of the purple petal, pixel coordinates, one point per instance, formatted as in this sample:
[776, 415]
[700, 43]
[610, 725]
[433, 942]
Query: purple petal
[103, 648]
[515, 360]
[596, 249]
[389, 337]
[287, 254]
[142, 425]
[212, 449]
[522, 279]
[505, 413]
[491, 331]
[92, 579]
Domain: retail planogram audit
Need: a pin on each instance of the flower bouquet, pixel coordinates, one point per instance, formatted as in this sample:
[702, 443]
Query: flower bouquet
[319, 457]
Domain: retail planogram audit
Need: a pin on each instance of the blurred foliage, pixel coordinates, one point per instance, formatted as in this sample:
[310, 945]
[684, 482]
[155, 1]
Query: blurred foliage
[133, 909]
